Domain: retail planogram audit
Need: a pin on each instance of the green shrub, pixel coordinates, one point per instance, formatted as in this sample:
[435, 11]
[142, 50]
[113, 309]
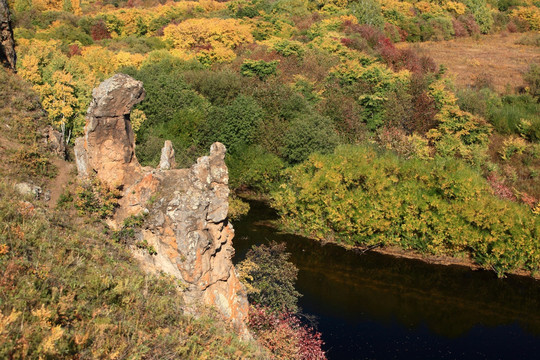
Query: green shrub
[481, 13]
[442, 28]
[134, 44]
[237, 208]
[532, 79]
[174, 112]
[260, 68]
[127, 232]
[237, 124]
[289, 47]
[367, 12]
[219, 87]
[361, 197]
[94, 197]
[477, 102]
[507, 116]
[66, 33]
[270, 278]
[308, 134]
[255, 168]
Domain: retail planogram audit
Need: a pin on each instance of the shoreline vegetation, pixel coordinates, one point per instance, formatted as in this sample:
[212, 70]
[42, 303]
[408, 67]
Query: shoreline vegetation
[361, 195]
[395, 251]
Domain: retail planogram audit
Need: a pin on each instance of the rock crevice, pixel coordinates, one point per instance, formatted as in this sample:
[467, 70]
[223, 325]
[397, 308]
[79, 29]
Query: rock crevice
[186, 209]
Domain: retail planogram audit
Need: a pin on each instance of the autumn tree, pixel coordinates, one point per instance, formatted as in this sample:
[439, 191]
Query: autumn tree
[60, 101]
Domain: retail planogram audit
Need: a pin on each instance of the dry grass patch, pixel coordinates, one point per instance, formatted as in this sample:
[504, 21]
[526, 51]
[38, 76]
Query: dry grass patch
[498, 58]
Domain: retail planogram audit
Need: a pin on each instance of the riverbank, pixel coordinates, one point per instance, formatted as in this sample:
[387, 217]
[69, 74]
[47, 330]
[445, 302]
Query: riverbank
[379, 306]
[412, 254]
[387, 250]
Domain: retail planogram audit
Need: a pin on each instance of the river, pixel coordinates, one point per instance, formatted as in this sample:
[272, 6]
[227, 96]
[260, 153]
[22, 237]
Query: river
[374, 306]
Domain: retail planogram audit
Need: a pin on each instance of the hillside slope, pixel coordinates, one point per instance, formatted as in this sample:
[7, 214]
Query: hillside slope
[68, 289]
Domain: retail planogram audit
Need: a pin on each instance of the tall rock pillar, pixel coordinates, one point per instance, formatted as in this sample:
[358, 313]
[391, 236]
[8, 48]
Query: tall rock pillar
[186, 209]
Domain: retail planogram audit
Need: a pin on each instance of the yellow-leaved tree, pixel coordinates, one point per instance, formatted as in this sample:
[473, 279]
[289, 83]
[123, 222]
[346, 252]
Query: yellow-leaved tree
[59, 100]
[213, 38]
[44, 5]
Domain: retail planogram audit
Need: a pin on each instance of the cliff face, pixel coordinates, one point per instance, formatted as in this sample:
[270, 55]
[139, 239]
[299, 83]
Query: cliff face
[186, 209]
[7, 44]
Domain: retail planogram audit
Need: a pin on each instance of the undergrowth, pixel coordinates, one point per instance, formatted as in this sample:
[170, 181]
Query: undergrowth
[69, 291]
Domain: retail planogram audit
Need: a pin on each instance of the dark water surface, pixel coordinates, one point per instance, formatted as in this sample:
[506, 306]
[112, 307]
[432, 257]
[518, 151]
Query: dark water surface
[373, 306]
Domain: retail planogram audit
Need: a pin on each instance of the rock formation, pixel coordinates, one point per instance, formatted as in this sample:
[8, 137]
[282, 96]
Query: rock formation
[186, 209]
[167, 156]
[7, 43]
[109, 143]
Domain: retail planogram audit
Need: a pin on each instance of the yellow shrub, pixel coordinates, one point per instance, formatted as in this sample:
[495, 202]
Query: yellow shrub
[181, 54]
[99, 60]
[512, 145]
[337, 3]
[219, 54]
[47, 5]
[455, 7]
[529, 14]
[402, 7]
[123, 58]
[421, 146]
[196, 34]
[29, 69]
[210, 5]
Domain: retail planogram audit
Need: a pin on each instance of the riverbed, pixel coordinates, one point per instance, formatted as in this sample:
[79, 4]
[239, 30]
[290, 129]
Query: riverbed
[375, 306]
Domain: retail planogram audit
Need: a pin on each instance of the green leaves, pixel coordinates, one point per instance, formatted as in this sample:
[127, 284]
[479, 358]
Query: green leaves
[260, 68]
[359, 196]
[308, 134]
[270, 278]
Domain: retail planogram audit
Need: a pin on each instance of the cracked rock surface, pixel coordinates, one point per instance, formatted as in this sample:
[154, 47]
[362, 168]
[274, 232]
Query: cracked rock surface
[186, 209]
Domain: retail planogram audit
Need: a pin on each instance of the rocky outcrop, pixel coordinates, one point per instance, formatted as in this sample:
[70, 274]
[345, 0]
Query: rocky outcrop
[7, 42]
[186, 209]
[109, 144]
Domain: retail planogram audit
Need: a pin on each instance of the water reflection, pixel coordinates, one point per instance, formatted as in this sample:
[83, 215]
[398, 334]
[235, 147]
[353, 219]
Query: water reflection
[378, 306]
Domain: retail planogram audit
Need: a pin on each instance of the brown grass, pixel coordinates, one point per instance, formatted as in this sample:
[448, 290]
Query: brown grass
[496, 57]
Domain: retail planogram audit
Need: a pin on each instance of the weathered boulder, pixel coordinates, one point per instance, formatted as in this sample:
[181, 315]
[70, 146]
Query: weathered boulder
[26, 189]
[186, 209]
[167, 160]
[109, 141]
[7, 43]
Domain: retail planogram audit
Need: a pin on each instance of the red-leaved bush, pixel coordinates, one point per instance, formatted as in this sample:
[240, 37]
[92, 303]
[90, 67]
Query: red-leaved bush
[459, 29]
[470, 24]
[74, 50]
[99, 31]
[284, 335]
[499, 189]
[528, 200]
